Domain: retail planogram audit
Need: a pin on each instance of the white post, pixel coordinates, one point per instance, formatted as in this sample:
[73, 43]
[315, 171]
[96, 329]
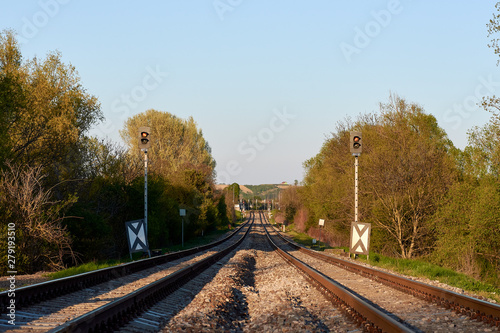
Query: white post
[356, 189]
[320, 232]
[146, 194]
[182, 213]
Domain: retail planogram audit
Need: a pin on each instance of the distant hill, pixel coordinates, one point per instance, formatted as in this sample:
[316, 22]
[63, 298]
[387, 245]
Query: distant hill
[263, 191]
[243, 188]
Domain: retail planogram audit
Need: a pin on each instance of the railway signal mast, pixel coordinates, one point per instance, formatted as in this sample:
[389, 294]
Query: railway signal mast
[360, 232]
[144, 144]
[356, 148]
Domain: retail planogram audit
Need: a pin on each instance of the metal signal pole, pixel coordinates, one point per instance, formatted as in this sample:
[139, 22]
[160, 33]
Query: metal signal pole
[144, 144]
[146, 194]
[356, 189]
[356, 147]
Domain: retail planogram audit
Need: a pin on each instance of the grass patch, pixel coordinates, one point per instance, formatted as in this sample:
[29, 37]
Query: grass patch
[198, 241]
[84, 268]
[304, 239]
[420, 268]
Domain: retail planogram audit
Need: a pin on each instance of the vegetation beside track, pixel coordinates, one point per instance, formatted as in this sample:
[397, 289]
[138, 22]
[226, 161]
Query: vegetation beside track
[95, 265]
[410, 267]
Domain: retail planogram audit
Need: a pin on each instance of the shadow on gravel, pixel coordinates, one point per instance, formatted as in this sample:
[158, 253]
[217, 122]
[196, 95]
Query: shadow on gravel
[313, 319]
[233, 314]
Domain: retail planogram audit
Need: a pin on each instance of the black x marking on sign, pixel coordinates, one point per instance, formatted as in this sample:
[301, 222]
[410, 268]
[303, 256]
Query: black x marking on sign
[359, 230]
[135, 242]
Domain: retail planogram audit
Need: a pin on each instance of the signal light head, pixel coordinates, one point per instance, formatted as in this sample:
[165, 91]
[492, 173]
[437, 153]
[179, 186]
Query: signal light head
[144, 141]
[355, 143]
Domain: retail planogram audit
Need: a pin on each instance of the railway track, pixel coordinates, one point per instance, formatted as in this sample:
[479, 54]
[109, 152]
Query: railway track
[419, 307]
[125, 292]
[248, 287]
[257, 291]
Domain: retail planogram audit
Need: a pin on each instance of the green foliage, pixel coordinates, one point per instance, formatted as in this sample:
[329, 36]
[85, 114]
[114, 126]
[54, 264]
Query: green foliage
[424, 197]
[50, 114]
[263, 190]
[417, 268]
[493, 29]
[83, 268]
[467, 230]
[421, 268]
[404, 171]
[85, 189]
[175, 143]
[222, 212]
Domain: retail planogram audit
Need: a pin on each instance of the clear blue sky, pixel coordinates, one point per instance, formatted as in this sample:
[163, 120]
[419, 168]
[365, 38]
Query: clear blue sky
[267, 81]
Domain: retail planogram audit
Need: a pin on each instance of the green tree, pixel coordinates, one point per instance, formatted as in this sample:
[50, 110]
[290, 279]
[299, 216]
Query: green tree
[222, 211]
[232, 194]
[492, 103]
[407, 169]
[493, 29]
[175, 143]
[44, 116]
[45, 110]
[290, 203]
[467, 224]
[404, 172]
[328, 184]
[467, 229]
[103, 183]
[11, 90]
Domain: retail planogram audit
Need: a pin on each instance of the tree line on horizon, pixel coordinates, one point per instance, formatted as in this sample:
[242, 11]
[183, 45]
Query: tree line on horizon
[68, 195]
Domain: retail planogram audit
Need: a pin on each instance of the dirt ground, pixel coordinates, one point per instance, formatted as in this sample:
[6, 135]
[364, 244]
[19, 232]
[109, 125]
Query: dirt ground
[23, 280]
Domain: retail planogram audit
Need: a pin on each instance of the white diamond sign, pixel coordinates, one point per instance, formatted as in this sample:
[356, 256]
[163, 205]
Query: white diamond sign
[136, 235]
[360, 238]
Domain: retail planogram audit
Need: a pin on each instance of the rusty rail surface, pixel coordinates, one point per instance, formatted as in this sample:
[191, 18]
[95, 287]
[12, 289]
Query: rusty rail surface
[111, 316]
[474, 308]
[36, 293]
[369, 317]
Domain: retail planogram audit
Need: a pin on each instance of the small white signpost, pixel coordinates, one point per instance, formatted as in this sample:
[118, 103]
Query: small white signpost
[321, 224]
[182, 213]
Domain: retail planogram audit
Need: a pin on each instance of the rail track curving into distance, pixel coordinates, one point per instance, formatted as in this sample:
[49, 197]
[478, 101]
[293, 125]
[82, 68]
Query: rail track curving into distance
[242, 284]
[103, 300]
[418, 306]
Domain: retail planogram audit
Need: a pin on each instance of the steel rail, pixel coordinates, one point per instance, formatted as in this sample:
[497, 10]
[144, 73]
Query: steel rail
[371, 318]
[111, 316]
[474, 308]
[39, 292]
